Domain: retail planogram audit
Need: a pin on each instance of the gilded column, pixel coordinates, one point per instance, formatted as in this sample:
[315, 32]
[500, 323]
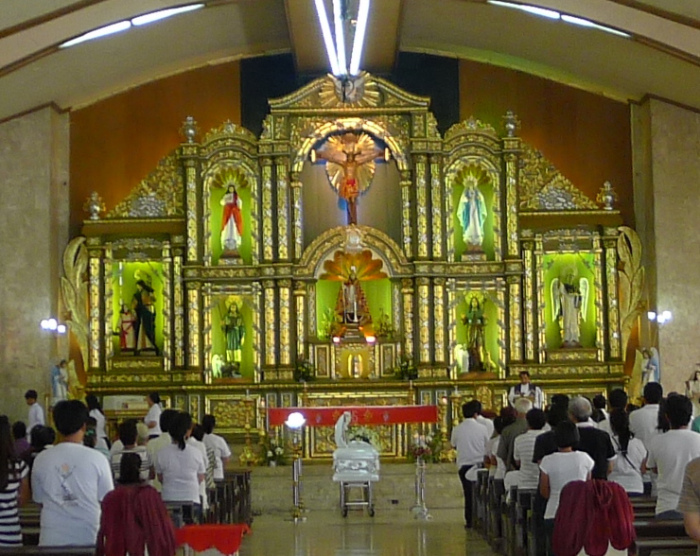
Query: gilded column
[540, 304]
[436, 204]
[270, 320]
[452, 325]
[285, 323]
[439, 319]
[167, 307]
[515, 322]
[512, 146]
[282, 209]
[424, 320]
[109, 311]
[407, 293]
[298, 233]
[207, 338]
[179, 303]
[502, 355]
[257, 331]
[406, 227]
[193, 209]
[422, 240]
[396, 304]
[311, 301]
[598, 277]
[267, 228]
[193, 314]
[529, 302]
[612, 294]
[449, 223]
[300, 305]
[95, 294]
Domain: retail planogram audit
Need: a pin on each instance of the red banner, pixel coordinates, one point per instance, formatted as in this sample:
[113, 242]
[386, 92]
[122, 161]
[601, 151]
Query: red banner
[361, 415]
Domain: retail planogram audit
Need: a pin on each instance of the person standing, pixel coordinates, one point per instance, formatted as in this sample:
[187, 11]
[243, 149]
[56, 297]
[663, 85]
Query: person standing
[526, 390]
[14, 487]
[669, 453]
[511, 432]
[36, 412]
[529, 471]
[594, 442]
[69, 481]
[630, 455]
[470, 439]
[152, 418]
[96, 413]
[644, 423]
[212, 441]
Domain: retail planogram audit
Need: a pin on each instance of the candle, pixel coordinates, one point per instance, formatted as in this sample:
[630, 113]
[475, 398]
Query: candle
[247, 393]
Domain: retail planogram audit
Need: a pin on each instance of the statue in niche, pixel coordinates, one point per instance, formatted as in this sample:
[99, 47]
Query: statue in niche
[231, 222]
[352, 303]
[350, 166]
[651, 368]
[475, 322]
[234, 328]
[127, 336]
[59, 382]
[472, 214]
[570, 305]
[142, 303]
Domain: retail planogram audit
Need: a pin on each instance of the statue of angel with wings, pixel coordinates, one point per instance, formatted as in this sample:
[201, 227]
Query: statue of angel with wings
[570, 305]
[350, 166]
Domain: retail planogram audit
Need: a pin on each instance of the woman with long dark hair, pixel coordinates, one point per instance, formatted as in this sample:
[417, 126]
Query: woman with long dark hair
[627, 471]
[180, 466]
[14, 487]
[98, 415]
[152, 418]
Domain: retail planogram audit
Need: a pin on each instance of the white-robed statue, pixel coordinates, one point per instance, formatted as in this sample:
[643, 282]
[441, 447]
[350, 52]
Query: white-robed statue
[472, 214]
[570, 305]
[231, 221]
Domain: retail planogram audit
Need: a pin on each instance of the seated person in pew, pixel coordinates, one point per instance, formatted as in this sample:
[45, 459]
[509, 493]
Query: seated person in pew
[689, 502]
[670, 452]
[560, 468]
[594, 442]
[528, 474]
[630, 454]
[495, 465]
[134, 518]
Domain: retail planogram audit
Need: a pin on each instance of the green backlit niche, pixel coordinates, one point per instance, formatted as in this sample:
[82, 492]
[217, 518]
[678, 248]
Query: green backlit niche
[557, 266]
[377, 292]
[218, 188]
[124, 278]
[481, 179]
[221, 305]
[490, 312]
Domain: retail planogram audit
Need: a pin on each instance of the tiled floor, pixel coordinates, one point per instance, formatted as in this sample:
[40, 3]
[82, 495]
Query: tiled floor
[389, 533]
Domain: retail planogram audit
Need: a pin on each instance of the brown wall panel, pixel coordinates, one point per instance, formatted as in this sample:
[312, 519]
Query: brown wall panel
[586, 136]
[116, 142]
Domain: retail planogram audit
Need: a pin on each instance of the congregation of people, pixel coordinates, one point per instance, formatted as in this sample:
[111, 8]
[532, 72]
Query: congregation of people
[164, 458]
[606, 452]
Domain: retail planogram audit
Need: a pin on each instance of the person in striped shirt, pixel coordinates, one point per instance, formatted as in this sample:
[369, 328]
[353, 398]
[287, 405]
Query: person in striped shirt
[14, 487]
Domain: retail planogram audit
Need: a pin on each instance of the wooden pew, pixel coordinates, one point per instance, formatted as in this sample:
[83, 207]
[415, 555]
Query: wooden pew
[523, 508]
[496, 495]
[481, 501]
[49, 551]
[509, 517]
[656, 535]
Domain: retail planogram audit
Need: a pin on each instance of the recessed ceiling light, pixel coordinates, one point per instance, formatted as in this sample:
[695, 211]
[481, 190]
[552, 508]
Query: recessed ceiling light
[543, 12]
[97, 33]
[162, 14]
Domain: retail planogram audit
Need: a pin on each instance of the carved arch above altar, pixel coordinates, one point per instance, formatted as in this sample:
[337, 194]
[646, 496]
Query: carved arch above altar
[378, 242]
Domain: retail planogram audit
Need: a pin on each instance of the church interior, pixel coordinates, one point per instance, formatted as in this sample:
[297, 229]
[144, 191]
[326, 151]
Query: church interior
[209, 207]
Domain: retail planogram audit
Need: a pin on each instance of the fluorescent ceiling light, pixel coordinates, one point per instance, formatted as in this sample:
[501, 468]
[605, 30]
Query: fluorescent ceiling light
[586, 23]
[339, 34]
[359, 42]
[551, 14]
[327, 37]
[97, 33]
[162, 14]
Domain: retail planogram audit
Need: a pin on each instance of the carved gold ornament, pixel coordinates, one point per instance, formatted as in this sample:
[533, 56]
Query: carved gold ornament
[629, 249]
[74, 290]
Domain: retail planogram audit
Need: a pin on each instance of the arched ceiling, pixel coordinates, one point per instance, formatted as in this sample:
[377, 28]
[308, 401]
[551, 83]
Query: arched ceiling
[662, 58]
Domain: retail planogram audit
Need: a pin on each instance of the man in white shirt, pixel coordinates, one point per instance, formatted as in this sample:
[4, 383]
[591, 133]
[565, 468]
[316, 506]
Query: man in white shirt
[669, 453]
[529, 472]
[36, 412]
[644, 424]
[526, 390]
[69, 482]
[470, 439]
[216, 443]
[155, 445]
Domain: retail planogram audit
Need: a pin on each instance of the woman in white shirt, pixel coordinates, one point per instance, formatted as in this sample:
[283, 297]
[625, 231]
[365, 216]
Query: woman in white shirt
[560, 468]
[180, 466]
[152, 418]
[98, 415]
[630, 455]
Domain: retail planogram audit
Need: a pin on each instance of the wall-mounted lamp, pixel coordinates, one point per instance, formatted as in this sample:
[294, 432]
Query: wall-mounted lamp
[52, 325]
[660, 318]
